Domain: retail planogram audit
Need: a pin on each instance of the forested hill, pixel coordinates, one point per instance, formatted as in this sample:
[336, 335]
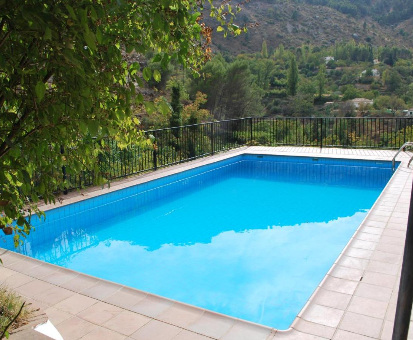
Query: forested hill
[321, 23]
[386, 12]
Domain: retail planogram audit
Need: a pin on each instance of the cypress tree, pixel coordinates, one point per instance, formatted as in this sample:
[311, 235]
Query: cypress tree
[292, 77]
[176, 117]
[321, 80]
[264, 50]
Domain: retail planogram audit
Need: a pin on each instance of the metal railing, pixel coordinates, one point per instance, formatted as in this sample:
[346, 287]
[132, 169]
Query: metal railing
[180, 144]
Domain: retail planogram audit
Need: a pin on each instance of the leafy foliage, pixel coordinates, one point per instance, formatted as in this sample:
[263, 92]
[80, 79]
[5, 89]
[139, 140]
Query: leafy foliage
[64, 85]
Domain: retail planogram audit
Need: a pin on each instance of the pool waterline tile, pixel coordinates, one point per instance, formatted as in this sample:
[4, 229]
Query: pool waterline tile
[329, 283]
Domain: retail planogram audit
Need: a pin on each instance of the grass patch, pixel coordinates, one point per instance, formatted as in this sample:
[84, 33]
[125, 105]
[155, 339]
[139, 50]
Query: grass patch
[10, 305]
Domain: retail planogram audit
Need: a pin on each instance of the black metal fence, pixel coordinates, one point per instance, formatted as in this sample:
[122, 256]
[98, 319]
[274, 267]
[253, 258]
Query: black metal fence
[180, 144]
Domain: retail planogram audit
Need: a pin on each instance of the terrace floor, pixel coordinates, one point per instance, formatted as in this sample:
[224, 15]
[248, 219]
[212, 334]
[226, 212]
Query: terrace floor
[355, 301]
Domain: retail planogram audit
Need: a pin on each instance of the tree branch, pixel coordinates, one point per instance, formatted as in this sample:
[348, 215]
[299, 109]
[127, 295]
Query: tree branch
[11, 322]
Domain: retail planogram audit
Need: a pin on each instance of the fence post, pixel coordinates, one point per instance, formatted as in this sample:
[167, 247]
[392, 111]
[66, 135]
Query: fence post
[212, 139]
[62, 151]
[251, 134]
[155, 156]
[405, 297]
[321, 136]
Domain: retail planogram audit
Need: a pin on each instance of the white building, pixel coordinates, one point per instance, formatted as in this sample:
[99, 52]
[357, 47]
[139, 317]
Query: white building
[409, 113]
[361, 101]
[375, 72]
[327, 59]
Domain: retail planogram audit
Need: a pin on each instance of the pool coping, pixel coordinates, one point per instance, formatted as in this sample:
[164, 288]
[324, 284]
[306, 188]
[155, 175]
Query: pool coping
[324, 316]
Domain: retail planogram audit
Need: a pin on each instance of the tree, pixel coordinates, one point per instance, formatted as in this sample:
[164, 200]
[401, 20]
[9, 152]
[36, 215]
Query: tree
[176, 116]
[264, 50]
[64, 85]
[321, 80]
[349, 92]
[292, 76]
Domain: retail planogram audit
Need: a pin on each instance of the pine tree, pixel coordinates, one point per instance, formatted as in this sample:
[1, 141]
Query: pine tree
[321, 80]
[292, 77]
[176, 117]
[264, 50]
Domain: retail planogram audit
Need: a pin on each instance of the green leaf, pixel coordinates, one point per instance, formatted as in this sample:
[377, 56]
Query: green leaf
[40, 90]
[150, 108]
[90, 40]
[71, 12]
[165, 107]
[220, 29]
[47, 34]
[147, 73]
[157, 75]
[93, 126]
[99, 35]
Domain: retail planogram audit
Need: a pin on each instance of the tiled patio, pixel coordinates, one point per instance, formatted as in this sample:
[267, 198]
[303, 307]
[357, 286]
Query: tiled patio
[355, 301]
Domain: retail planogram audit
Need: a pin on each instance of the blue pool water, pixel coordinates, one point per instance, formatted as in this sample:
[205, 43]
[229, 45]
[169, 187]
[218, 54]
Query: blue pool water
[250, 237]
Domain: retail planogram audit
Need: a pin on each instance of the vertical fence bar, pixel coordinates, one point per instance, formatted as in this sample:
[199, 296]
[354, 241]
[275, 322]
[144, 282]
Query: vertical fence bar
[251, 134]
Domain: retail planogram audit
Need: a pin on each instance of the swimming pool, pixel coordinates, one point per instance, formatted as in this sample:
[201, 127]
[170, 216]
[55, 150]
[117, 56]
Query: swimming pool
[250, 237]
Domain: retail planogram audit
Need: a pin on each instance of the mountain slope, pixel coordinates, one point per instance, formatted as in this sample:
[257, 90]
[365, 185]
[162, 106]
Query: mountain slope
[294, 24]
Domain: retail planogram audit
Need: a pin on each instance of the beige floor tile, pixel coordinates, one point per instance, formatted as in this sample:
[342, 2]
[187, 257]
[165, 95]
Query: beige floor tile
[368, 307]
[75, 328]
[125, 298]
[382, 267]
[378, 279]
[57, 316]
[394, 233]
[99, 313]
[322, 315]
[187, 335]
[352, 262]
[8, 257]
[363, 244]
[126, 322]
[391, 312]
[359, 253]
[156, 330]
[79, 283]
[180, 315]
[331, 299]
[361, 324]
[101, 333]
[17, 280]
[375, 224]
[339, 285]
[42, 270]
[24, 266]
[101, 290]
[387, 331]
[60, 276]
[386, 257]
[246, 331]
[296, 335]
[313, 328]
[397, 241]
[53, 295]
[5, 273]
[344, 335]
[75, 304]
[34, 288]
[373, 292]
[212, 325]
[367, 237]
[152, 305]
[346, 273]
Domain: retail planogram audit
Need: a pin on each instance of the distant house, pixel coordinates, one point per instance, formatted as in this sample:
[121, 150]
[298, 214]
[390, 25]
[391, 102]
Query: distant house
[376, 61]
[327, 59]
[375, 72]
[361, 101]
[409, 113]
